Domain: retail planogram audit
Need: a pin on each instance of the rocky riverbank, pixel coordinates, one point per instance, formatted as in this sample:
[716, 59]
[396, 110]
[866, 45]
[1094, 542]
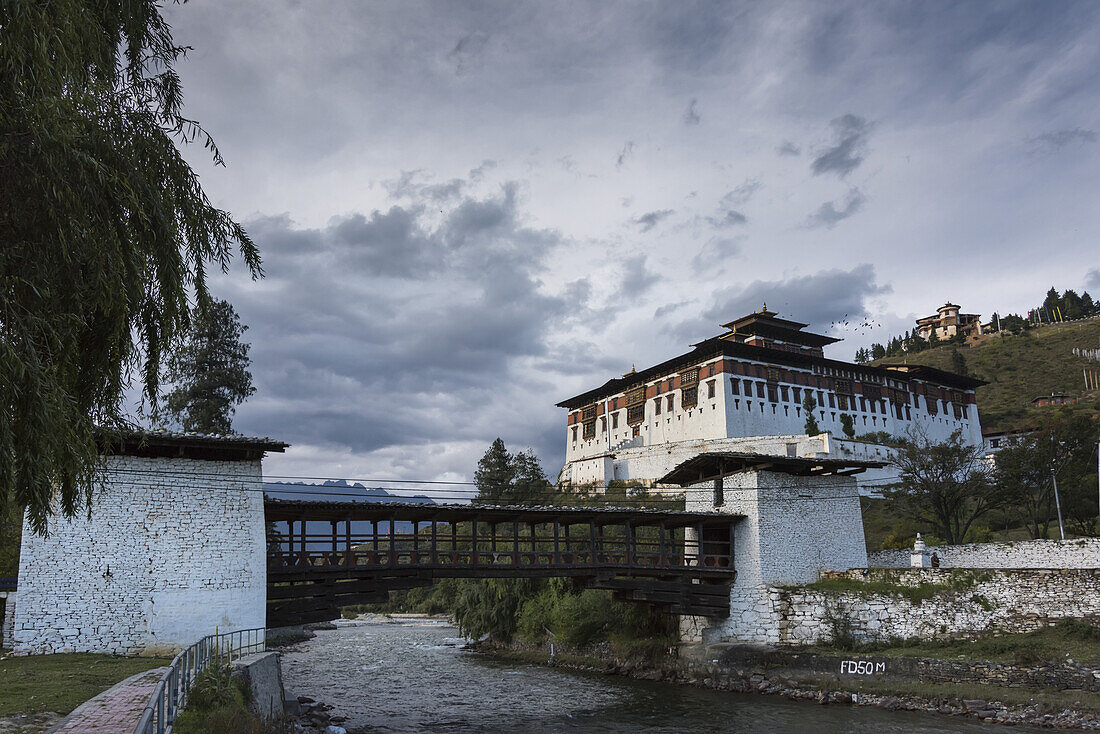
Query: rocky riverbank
[767, 678]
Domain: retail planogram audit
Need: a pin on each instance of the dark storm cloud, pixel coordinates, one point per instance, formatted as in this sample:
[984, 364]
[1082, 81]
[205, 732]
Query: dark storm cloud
[728, 218]
[689, 36]
[716, 253]
[743, 193]
[691, 114]
[788, 148]
[668, 308]
[390, 243]
[649, 220]
[467, 52]
[849, 141]
[820, 299]
[1055, 140]
[636, 279]
[476, 174]
[828, 215]
[393, 328]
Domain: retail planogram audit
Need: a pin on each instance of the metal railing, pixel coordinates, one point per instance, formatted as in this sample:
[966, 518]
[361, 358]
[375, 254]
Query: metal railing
[174, 686]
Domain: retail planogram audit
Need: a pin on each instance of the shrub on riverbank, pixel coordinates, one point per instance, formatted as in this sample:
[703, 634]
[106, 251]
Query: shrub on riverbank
[218, 703]
[534, 610]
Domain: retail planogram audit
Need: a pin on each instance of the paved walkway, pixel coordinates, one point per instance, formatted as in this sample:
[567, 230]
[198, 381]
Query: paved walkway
[116, 710]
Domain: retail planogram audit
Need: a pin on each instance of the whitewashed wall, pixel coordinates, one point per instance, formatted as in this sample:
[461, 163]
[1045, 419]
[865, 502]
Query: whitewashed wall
[1081, 553]
[794, 529]
[173, 549]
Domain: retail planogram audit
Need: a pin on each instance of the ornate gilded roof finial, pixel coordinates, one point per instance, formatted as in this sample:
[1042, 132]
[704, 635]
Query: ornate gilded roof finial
[765, 307]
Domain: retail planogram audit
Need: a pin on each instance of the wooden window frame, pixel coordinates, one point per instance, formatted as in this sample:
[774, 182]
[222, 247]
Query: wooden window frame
[689, 397]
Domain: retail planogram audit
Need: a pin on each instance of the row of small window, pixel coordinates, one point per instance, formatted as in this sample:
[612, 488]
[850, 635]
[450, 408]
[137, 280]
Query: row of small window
[783, 393]
[777, 393]
[798, 412]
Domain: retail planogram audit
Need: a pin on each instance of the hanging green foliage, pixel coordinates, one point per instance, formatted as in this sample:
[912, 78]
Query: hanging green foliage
[105, 233]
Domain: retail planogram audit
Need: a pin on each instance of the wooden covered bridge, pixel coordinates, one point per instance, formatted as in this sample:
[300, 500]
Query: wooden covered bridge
[324, 555]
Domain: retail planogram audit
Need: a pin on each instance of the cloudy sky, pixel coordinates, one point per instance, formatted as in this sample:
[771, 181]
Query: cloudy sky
[471, 211]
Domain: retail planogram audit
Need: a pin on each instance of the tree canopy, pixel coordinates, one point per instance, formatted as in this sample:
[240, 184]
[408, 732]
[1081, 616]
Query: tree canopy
[1062, 450]
[810, 405]
[943, 485]
[209, 371]
[503, 478]
[107, 235]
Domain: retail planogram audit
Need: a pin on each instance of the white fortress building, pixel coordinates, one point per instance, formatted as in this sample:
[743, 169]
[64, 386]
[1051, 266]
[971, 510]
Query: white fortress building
[744, 390]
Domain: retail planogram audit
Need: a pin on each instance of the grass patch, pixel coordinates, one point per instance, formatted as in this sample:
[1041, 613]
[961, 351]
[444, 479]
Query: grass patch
[915, 594]
[1068, 639]
[880, 584]
[60, 683]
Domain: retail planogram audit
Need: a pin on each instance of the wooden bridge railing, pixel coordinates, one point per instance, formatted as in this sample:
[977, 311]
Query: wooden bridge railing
[530, 549]
[377, 545]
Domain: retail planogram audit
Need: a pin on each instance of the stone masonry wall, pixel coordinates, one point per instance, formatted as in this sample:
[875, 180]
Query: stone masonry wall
[1081, 553]
[173, 550]
[966, 602]
[7, 625]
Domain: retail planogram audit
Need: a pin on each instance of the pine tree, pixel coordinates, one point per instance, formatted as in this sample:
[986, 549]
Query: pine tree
[958, 363]
[1072, 305]
[862, 356]
[494, 473]
[510, 479]
[1050, 305]
[809, 405]
[209, 371]
[1087, 305]
[878, 351]
[529, 483]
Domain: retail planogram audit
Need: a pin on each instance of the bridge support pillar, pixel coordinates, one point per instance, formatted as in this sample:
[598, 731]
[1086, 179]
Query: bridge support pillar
[793, 528]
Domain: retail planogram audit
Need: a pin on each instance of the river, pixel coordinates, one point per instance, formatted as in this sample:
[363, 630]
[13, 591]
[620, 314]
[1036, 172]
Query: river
[413, 676]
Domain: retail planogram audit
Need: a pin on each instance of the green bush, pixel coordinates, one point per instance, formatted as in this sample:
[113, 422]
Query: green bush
[214, 688]
[218, 704]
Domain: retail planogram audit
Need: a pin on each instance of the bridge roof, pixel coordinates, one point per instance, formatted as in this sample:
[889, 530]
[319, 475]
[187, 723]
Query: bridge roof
[176, 444]
[712, 465]
[408, 512]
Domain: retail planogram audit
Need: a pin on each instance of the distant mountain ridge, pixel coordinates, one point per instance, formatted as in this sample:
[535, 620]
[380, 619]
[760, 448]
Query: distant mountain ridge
[339, 490]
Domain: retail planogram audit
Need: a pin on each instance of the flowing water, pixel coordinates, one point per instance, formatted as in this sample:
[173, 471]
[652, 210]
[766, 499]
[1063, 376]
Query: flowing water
[413, 676]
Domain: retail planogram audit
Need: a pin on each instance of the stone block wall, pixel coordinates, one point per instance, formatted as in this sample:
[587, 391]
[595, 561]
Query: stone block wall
[1080, 553]
[173, 550]
[7, 624]
[965, 602]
